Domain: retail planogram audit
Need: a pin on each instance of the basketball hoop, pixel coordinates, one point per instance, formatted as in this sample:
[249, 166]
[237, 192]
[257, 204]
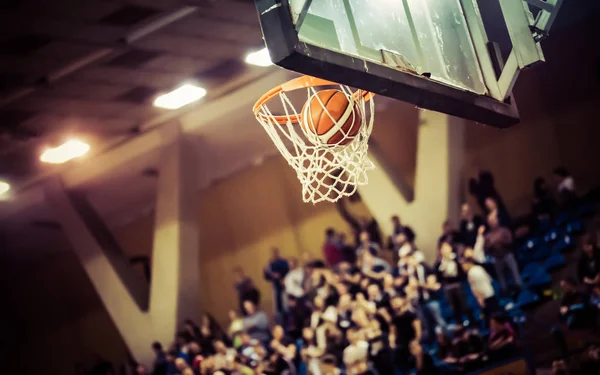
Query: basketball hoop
[331, 168]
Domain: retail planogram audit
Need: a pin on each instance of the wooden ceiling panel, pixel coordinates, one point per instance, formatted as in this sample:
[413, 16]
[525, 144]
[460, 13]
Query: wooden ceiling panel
[190, 46]
[217, 29]
[179, 64]
[115, 75]
[76, 89]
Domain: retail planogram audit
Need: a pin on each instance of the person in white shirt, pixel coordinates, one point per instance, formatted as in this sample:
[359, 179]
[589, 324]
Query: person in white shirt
[294, 280]
[481, 286]
[566, 187]
[356, 354]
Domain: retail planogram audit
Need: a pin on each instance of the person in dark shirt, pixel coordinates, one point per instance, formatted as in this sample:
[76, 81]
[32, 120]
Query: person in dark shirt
[588, 269]
[160, 361]
[468, 225]
[282, 349]
[361, 224]
[245, 288]
[380, 353]
[575, 308]
[405, 328]
[500, 211]
[331, 248]
[484, 187]
[275, 273]
[399, 229]
[543, 206]
[423, 362]
[451, 275]
[448, 234]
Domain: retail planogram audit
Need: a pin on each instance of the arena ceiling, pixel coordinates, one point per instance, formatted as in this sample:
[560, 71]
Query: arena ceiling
[91, 69]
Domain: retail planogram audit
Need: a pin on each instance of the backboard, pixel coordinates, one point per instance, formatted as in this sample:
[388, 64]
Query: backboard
[431, 53]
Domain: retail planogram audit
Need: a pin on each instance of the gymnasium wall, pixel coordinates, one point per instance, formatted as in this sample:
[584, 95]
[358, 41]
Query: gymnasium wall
[52, 317]
[240, 219]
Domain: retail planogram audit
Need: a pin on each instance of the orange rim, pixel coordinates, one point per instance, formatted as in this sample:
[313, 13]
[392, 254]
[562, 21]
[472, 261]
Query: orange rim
[297, 84]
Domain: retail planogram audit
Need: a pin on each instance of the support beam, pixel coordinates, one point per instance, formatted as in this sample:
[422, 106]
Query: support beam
[131, 322]
[437, 192]
[174, 290]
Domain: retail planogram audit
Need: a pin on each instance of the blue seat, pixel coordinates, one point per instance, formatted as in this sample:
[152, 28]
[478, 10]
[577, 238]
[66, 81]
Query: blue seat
[531, 270]
[574, 227]
[541, 252]
[554, 261]
[564, 243]
[527, 298]
[586, 209]
[539, 280]
[562, 218]
[552, 235]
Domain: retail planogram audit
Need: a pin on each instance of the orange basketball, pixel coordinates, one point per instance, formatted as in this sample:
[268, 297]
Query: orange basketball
[342, 123]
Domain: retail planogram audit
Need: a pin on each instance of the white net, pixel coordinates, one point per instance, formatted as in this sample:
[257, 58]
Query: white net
[328, 168]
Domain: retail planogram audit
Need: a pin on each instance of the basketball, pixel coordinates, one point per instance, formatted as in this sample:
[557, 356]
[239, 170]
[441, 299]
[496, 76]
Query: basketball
[340, 126]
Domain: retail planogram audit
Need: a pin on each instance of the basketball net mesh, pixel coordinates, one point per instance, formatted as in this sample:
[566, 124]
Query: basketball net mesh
[327, 172]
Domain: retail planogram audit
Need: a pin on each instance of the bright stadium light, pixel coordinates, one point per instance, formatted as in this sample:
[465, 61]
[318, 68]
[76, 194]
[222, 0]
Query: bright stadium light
[259, 58]
[69, 150]
[179, 97]
[4, 187]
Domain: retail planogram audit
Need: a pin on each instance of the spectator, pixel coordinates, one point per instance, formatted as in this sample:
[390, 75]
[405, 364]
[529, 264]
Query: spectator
[236, 326]
[245, 288]
[446, 352]
[424, 363]
[297, 318]
[469, 348]
[366, 244]
[348, 251]
[294, 279]
[543, 206]
[283, 350]
[405, 328]
[468, 225]
[356, 354]
[256, 323]
[209, 331]
[577, 315]
[160, 361]
[448, 234]
[483, 187]
[275, 273]
[565, 187]
[428, 307]
[588, 268]
[451, 276]
[492, 207]
[399, 229]
[481, 286]
[331, 249]
[502, 340]
[374, 267]
[498, 244]
[359, 225]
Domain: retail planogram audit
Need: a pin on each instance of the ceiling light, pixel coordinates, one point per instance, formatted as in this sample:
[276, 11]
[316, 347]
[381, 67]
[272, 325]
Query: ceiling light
[259, 58]
[4, 187]
[69, 150]
[179, 97]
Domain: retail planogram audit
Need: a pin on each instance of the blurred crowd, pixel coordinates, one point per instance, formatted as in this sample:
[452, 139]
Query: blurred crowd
[374, 305]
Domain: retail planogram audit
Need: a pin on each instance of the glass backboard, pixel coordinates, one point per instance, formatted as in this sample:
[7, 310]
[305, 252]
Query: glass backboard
[432, 53]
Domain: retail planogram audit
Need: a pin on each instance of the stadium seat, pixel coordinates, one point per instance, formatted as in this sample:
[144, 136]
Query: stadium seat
[574, 227]
[531, 270]
[564, 243]
[554, 261]
[527, 298]
[540, 279]
[552, 235]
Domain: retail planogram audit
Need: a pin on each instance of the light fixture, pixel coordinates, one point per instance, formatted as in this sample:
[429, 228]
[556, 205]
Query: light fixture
[179, 97]
[259, 58]
[4, 187]
[69, 150]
